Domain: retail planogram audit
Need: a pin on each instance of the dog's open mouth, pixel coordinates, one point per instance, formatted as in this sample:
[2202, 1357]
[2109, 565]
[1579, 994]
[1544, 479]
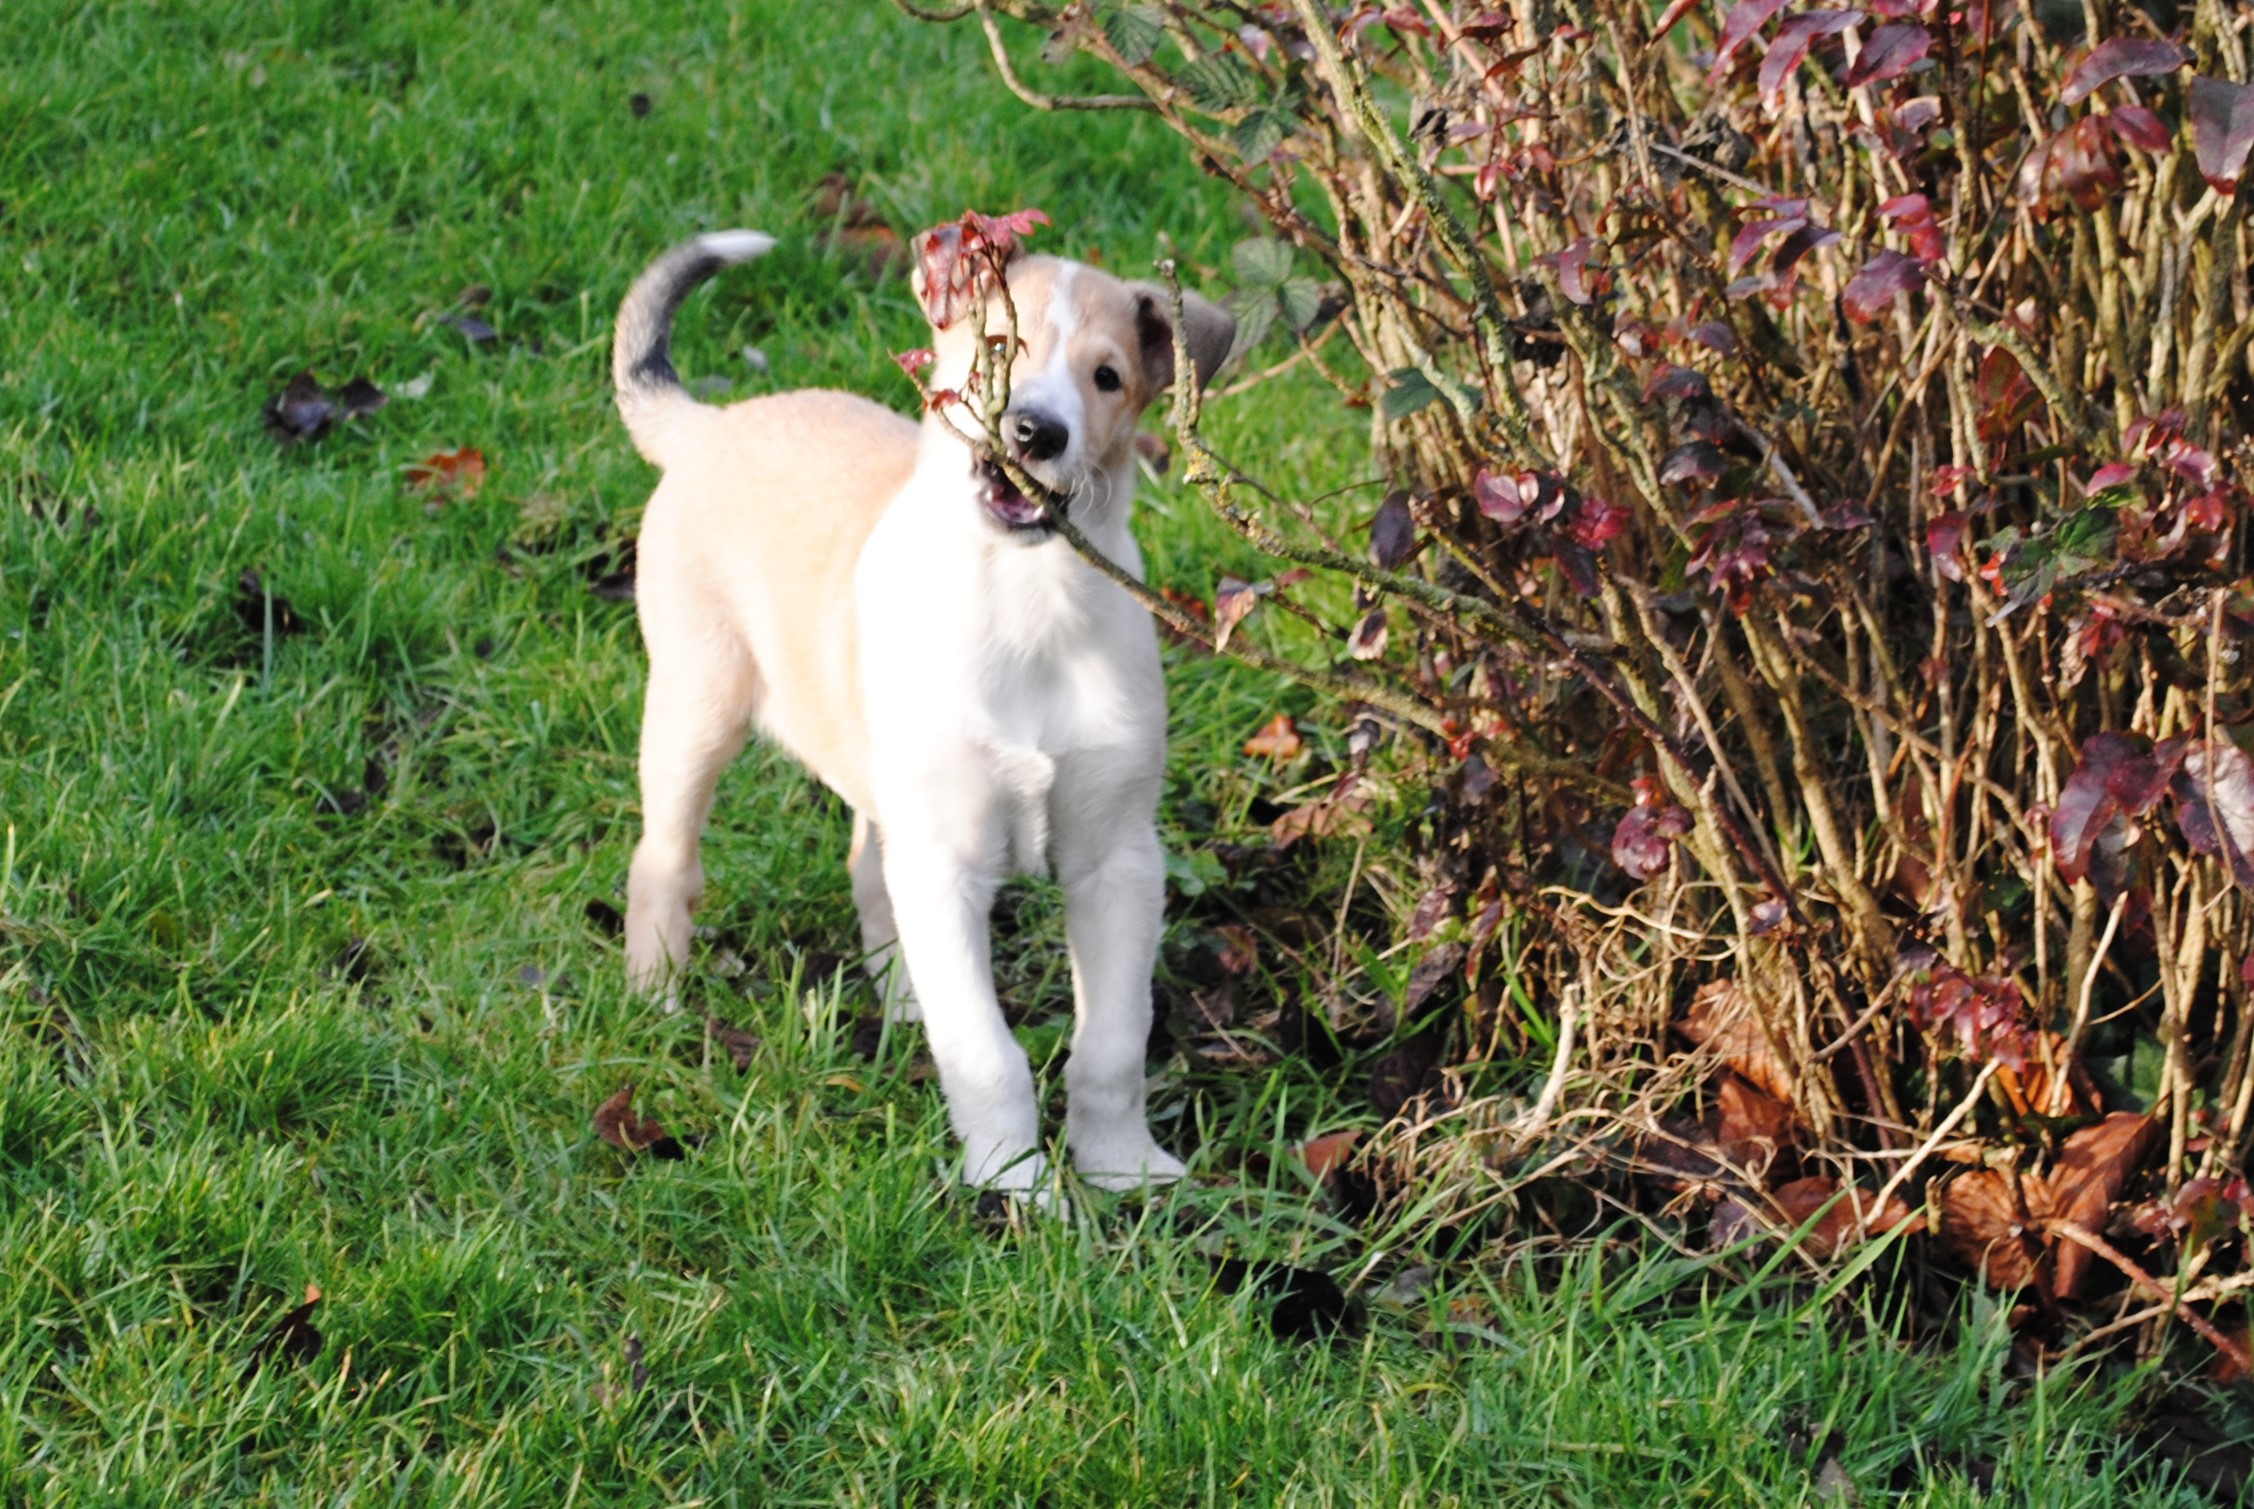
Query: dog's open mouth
[1006, 503]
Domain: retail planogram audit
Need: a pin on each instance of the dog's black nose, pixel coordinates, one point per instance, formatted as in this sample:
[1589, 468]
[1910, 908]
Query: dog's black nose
[1038, 437]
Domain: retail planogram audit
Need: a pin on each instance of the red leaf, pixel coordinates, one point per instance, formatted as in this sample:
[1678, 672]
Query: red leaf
[2222, 130]
[1278, 739]
[1745, 18]
[1503, 496]
[1323, 1154]
[1595, 522]
[2121, 57]
[1676, 10]
[2140, 128]
[1880, 281]
[1003, 232]
[460, 473]
[914, 362]
[1889, 53]
[1913, 217]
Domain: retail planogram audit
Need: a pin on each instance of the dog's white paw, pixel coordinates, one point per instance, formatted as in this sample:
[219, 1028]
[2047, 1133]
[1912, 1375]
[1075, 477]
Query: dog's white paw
[1128, 1165]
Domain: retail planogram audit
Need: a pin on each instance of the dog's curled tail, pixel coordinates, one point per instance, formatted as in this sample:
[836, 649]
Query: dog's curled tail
[650, 396]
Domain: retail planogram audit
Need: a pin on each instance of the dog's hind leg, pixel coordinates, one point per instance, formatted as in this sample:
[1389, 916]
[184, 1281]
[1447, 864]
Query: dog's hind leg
[696, 717]
[880, 934]
[1114, 879]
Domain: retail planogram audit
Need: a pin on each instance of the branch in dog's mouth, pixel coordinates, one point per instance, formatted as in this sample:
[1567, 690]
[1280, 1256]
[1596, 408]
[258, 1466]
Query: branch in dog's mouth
[1005, 498]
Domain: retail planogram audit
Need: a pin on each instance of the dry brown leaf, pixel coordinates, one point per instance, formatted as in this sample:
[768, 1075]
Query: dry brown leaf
[2033, 1091]
[738, 1043]
[1279, 740]
[2093, 1166]
[457, 473]
[617, 1124]
[294, 1338]
[1984, 1228]
[1751, 1126]
[1239, 950]
[1721, 1019]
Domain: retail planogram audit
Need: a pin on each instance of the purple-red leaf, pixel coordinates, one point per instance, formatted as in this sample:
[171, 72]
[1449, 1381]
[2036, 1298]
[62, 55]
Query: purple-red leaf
[1644, 840]
[1943, 536]
[1798, 245]
[2222, 130]
[1697, 459]
[1880, 281]
[2114, 475]
[1393, 533]
[1791, 45]
[1891, 52]
[2086, 804]
[1746, 244]
[2215, 804]
[1573, 270]
[2140, 128]
[2121, 57]
[1745, 18]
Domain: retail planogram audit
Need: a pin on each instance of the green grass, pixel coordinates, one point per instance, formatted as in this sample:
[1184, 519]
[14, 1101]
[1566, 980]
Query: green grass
[250, 1041]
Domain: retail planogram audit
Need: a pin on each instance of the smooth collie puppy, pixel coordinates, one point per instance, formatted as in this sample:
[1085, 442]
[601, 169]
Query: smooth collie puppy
[875, 595]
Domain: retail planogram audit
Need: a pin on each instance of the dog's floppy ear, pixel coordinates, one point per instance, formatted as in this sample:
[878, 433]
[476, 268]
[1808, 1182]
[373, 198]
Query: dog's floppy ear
[1208, 330]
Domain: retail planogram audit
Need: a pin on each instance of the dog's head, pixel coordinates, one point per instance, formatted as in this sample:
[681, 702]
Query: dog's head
[1093, 351]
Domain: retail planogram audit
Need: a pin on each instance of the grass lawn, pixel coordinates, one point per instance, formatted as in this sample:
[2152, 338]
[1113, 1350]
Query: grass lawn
[314, 787]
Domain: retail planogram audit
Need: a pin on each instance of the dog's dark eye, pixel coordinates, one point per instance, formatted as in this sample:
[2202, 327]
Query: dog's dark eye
[1107, 381]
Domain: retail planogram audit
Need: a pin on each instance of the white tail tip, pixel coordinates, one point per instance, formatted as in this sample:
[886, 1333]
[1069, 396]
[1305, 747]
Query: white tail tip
[736, 246]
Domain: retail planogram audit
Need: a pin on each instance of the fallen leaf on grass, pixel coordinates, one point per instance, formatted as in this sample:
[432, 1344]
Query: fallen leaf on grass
[604, 918]
[294, 1338]
[1308, 1304]
[1278, 739]
[738, 1043]
[449, 474]
[305, 410]
[617, 1124]
[1323, 1154]
[254, 602]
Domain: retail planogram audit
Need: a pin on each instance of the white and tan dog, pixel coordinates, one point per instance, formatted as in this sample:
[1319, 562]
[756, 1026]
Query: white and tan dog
[877, 597]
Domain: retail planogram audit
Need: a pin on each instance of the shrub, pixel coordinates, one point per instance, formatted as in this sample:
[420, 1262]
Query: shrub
[1813, 580]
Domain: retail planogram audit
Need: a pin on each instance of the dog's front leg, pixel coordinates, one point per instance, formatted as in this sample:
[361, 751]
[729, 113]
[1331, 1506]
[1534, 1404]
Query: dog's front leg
[1114, 878]
[942, 888]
